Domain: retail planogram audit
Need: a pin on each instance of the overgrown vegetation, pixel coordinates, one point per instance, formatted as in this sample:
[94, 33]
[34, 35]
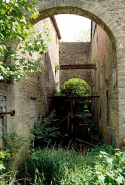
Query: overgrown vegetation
[57, 165]
[103, 165]
[15, 148]
[76, 87]
[18, 147]
[45, 131]
[15, 28]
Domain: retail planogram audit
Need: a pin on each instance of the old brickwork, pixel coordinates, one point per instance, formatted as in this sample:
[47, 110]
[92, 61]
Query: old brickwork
[71, 53]
[105, 109]
[29, 96]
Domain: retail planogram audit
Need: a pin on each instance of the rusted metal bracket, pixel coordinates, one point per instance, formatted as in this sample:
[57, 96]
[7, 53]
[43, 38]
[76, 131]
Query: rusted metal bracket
[12, 113]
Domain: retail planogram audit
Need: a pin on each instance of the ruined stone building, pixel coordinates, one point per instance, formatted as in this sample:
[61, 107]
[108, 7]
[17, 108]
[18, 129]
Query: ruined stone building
[106, 52]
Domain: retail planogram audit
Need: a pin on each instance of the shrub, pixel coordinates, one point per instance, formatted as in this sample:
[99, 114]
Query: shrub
[46, 131]
[76, 86]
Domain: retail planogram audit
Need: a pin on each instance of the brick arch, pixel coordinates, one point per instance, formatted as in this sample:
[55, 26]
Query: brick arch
[109, 15]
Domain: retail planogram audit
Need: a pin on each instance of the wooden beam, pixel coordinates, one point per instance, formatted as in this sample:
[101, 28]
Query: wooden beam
[80, 140]
[75, 98]
[85, 98]
[78, 66]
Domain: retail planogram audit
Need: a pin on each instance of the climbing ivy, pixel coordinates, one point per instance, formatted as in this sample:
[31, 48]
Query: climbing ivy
[15, 28]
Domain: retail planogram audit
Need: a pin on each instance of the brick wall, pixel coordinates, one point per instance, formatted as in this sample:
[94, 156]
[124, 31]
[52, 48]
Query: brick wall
[75, 53]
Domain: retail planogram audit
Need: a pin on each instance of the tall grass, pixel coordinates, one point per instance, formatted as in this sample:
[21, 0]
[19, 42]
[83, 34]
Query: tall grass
[51, 166]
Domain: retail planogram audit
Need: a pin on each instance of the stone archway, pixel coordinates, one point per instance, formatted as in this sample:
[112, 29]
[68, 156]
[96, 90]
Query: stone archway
[109, 15]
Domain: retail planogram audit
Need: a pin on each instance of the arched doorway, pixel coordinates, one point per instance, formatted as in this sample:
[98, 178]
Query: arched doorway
[107, 19]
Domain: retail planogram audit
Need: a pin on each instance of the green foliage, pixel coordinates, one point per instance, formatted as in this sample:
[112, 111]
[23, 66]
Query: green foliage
[50, 165]
[92, 125]
[76, 86]
[13, 143]
[46, 131]
[83, 35]
[57, 67]
[85, 108]
[67, 167]
[59, 94]
[4, 155]
[15, 28]
[8, 178]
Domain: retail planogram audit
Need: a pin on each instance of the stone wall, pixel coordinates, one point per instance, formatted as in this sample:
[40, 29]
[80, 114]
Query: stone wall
[71, 53]
[29, 97]
[105, 109]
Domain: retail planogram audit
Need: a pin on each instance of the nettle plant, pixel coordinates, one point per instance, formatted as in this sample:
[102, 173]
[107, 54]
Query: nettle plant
[15, 28]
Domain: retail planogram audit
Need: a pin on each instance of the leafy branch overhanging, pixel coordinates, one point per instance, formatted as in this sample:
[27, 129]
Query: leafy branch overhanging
[15, 28]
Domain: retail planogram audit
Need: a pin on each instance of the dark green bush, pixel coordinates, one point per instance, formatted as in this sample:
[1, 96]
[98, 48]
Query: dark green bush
[46, 130]
[75, 86]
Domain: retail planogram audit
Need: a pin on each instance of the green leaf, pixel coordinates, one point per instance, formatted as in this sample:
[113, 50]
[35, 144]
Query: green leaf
[2, 68]
[120, 179]
[2, 167]
[41, 52]
[110, 160]
[101, 177]
[7, 1]
[29, 7]
[33, 15]
[1, 77]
